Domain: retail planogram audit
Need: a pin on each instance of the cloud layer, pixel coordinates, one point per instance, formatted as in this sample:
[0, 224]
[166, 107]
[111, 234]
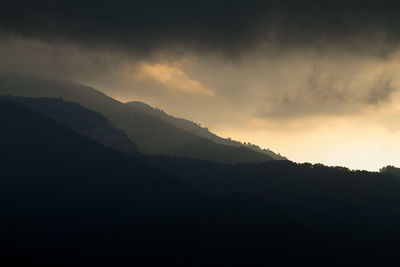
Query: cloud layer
[294, 85]
[171, 78]
[227, 27]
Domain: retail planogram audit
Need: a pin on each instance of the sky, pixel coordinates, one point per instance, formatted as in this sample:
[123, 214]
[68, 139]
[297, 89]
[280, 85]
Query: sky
[316, 81]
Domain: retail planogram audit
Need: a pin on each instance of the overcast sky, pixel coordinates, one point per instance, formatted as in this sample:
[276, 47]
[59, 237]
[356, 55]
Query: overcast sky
[317, 81]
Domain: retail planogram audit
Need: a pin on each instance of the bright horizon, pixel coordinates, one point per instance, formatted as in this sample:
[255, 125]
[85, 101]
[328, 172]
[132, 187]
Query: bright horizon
[354, 142]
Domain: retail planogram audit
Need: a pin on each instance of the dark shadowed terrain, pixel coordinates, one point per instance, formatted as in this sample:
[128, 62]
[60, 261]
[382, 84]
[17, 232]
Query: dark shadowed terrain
[68, 200]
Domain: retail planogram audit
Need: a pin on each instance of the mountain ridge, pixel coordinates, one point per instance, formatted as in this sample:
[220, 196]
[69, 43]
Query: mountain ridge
[195, 128]
[152, 135]
[61, 192]
[69, 201]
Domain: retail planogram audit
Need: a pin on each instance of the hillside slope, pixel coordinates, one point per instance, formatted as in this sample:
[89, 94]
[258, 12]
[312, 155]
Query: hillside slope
[68, 201]
[152, 135]
[196, 129]
[355, 212]
[79, 119]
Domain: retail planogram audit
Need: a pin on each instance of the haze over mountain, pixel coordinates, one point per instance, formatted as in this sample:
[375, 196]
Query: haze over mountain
[195, 128]
[152, 134]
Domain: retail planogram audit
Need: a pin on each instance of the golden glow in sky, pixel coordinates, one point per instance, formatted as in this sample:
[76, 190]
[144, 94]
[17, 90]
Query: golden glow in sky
[335, 107]
[350, 143]
[172, 78]
[340, 112]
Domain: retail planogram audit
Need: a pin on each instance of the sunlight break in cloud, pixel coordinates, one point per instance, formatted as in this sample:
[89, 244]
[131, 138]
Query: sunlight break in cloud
[171, 78]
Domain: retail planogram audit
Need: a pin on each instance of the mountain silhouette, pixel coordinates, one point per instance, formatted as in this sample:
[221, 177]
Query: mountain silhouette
[355, 212]
[150, 133]
[68, 200]
[196, 129]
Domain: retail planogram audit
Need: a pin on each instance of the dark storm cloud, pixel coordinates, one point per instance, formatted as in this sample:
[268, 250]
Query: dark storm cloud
[153, 50]
[222, 26]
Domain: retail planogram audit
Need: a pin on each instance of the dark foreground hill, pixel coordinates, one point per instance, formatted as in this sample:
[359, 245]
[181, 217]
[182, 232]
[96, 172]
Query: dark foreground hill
[69, 201]
[355, 212]
[152, 134]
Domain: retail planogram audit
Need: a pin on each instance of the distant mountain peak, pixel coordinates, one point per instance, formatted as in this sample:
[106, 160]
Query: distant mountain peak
[152, 133]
